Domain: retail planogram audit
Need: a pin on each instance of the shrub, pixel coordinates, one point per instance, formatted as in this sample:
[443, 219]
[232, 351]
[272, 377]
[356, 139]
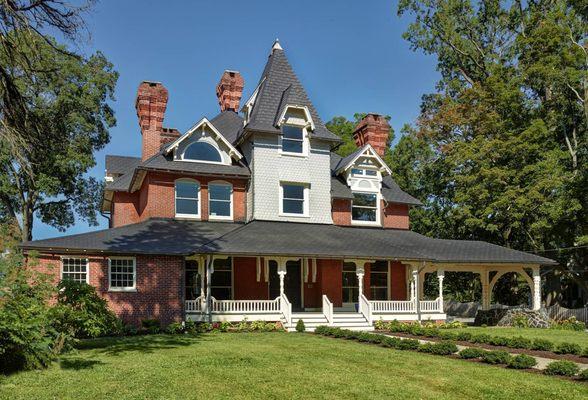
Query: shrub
[408, 344]
[522, 361]
[520, 321]
[451, 325]
[585, 352]
[562, 367]
[496, 357]
[447, 335]
[583, 375]
[471, 352]
[571, 324]
[151, 325]
[174, 328]
[542, 344]
[498, 341]
[380, 325]
[391, 341]
[300, 326]
[82, 313]
[568, 348]
[519, 342]
[480, 338]
[464, 336]
[321, 330]
[28, 337]
[130, 330]
[439, 348]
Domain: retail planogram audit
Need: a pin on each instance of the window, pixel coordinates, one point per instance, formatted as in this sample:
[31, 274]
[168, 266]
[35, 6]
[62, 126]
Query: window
[363, 172]
[219, 203]
[350, 283]
[121, 272]
[365, 207]
[292, 139]
[294, 199]
[221, 287]
[192, 280]
[75, 269]
[379, 280]
[187, 199]
[202, 151]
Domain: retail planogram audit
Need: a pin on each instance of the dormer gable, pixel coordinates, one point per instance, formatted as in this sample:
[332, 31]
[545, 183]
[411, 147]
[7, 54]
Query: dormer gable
[363, 164]
[203, 143]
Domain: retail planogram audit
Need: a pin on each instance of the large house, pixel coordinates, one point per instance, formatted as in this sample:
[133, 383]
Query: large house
[251, 214]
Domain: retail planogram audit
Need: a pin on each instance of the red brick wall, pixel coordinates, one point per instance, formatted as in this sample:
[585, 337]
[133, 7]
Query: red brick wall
[159, 286]
[245, 284]
[341, 212]
[156, 199]
[395, 216]
[398, 287]
[330, 272]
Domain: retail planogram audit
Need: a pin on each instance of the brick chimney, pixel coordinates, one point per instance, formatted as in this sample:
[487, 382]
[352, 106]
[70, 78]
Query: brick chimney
[150, 105]
[229, 90]
[373, 129]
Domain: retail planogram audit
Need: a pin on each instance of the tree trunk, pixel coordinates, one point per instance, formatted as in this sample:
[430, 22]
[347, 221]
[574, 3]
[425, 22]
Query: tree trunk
[27, 222]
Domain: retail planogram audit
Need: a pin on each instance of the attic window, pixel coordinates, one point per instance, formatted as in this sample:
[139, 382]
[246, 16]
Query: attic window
[202, 151]
[292, 139]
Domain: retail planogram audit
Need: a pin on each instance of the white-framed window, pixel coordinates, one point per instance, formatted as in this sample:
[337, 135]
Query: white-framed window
[292, 139]
[187, 198]
[363, 172]
[365, 208]
[221, 285]
[75, 269]
[122, 274]
[202, 151]
[350, 284]
[294, 199]
[220, 200]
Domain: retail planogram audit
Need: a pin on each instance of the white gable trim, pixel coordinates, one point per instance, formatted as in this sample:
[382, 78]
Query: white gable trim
[362, 153]
[309, 121]
[233, 152]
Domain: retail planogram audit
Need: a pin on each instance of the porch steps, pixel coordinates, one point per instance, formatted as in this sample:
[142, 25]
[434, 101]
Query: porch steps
[346, 320]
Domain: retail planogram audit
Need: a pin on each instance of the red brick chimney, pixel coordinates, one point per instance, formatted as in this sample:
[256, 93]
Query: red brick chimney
[150, 105]
[229, 90]
[373, 129]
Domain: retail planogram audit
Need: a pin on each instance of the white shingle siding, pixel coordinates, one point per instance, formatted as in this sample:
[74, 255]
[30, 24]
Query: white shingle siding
[271, 168]
[247, 149]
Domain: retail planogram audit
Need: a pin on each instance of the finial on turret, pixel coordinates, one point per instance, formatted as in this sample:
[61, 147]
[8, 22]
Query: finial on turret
[276, 45]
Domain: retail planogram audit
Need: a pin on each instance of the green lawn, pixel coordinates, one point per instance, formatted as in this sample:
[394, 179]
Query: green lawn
[555, 335]
[271, 365]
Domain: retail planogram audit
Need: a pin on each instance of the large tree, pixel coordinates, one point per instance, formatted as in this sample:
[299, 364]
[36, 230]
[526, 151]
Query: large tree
[499, 150]
[67, 119]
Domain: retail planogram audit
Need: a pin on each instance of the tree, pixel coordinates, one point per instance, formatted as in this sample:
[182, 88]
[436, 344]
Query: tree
[67, 119]
[506, 131]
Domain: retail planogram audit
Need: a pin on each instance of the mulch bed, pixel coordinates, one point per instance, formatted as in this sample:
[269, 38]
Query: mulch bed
[536, 353]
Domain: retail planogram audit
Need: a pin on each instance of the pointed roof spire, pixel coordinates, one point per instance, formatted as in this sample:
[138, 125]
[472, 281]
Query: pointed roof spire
[276, 45]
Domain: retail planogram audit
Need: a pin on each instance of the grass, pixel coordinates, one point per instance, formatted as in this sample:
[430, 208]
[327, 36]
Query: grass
[555, 335]
[271, 365]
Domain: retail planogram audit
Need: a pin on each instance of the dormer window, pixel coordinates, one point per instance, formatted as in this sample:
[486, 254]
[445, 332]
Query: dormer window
[202, 151]
[292, 139]
[363, 172]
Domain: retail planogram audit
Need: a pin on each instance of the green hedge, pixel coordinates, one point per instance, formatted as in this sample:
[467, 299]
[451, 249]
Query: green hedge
[562, 367]
[522, 361]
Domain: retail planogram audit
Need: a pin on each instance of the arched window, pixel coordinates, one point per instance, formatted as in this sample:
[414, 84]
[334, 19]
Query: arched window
[202, 151]
[187, 198]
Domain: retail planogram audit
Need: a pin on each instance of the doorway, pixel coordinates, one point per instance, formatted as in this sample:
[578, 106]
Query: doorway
[292, 282]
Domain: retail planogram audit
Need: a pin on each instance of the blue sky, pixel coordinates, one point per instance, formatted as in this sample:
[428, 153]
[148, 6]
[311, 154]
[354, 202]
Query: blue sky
[349, 55]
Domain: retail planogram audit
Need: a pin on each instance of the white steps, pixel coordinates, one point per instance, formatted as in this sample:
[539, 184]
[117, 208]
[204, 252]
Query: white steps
[344, 320]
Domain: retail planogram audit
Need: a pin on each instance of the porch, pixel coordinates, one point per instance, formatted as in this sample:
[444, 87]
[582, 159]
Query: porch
[351, 293]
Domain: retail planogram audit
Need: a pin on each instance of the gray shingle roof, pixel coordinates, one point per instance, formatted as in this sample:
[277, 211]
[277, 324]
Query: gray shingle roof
[155, 236]
[280, 78]
[393, 194]
[229, 124]
[121, 164]
[160, 162]
[174, 237]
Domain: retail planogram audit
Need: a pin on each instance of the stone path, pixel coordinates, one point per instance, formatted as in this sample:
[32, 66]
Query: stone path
[541, 361]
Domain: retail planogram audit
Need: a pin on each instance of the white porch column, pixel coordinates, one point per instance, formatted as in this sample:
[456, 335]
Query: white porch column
[209, 272]
[412, 288]
[360, 271]
[440, 277]
[281, 274]
[536, 288]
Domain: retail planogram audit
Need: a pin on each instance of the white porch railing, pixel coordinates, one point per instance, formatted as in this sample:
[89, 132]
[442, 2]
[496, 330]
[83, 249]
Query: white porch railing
[431, 305]
[394, 306]
[286, 308]
[196, 305]
[365, 307]
[328, 309]
[245, 306]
